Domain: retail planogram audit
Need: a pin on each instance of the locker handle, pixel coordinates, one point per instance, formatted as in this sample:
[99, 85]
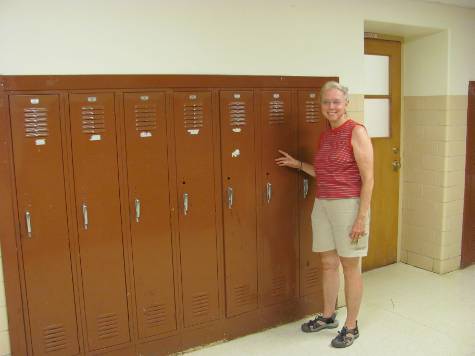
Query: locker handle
[185, 203]
[137, 210]
[268, 192]
[305, 187]
[85, 215]
[28, 222]
[230, 197]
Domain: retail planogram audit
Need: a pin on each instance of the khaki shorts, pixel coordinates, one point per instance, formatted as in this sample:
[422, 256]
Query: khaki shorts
[332, 221]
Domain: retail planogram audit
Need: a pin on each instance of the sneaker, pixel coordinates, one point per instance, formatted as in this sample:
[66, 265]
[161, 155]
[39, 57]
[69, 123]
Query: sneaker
[320, 323]
[346, 337]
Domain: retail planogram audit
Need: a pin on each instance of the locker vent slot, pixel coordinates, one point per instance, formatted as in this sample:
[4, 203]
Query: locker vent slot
[107, 326]
[93, 119]
[312, 111]
[278, 286]
[155, 315]
[145, 117]
[200, 305]
[193, 116]
[242, 295]
[312, 277]
[237, 113]
[276, 112]
[55, 338]
[36, 122]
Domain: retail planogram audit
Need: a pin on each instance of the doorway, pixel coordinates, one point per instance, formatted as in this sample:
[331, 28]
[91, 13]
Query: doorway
[382, 110]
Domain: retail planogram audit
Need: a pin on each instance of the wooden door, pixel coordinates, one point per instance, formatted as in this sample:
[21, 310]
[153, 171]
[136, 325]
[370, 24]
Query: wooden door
[468, 234]
[38, 162]
[196, 202]
[385, 203]
[93, 133]
[149, 204]
[239, 200]
[311, 125]
[279, 202]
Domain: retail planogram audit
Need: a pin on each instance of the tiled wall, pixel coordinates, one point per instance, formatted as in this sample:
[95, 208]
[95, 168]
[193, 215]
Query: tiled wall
[434, 132]
[4, 337]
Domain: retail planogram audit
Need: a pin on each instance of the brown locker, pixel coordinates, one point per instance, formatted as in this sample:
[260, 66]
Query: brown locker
[96, 181]
[196, 202]
[149, 202]
[311, 124]
[44, 236]
[279, 203]
[239, 200]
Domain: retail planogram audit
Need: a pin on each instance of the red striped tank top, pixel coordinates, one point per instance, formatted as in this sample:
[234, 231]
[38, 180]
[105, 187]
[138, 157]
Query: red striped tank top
[337, 173]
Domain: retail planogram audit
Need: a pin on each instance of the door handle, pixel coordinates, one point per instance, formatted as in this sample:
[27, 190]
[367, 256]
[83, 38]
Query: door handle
[137, 210]
[28, 223]
[305, 187]
[268, 192]
[85, 216]
[230, 197]
[396, 165]
[185, 203]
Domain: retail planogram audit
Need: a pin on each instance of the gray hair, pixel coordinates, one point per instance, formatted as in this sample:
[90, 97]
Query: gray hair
[334, 85]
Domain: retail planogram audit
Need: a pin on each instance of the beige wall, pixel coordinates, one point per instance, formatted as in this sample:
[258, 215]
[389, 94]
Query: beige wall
[433, 183]
[281, 37]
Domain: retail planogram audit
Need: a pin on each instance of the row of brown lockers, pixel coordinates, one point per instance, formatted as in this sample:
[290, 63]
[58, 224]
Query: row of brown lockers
[126, 203]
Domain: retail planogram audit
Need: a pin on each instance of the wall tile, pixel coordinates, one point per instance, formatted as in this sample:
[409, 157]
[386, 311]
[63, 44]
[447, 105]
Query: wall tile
[451, 236]
[455, 178]
[3, 319]
[403, 256]
[5, 349]
[451, 251]
[420, 261]
[456, 133]
[457, 102]
[436, 102]
[446, 266]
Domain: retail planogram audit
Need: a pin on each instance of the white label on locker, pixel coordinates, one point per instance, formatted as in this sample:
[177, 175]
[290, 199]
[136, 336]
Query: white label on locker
[276, 96]
[194, 131]
[144, 98]
[313, 95]
[236, 153]
[145, 134]
[237, 96]
[192, 97]
[95, 138]
[40, 142]
[237, 129]
[35, 101]
[91, 99]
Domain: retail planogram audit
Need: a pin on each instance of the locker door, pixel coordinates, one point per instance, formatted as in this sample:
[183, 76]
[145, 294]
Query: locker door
[311, 124]
[279, 224]
[239, 204]
[44, 236]
[149, 202]
[99, 218]
[196, 201]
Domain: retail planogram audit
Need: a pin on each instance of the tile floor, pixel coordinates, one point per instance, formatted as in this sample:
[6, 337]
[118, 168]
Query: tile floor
[405, 311]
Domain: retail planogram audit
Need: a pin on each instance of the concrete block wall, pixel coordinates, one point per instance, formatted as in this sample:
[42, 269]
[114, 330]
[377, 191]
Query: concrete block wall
[433, 181]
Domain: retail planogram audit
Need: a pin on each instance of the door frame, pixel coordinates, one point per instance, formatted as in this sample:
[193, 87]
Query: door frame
[468, 236]
[386, 44]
